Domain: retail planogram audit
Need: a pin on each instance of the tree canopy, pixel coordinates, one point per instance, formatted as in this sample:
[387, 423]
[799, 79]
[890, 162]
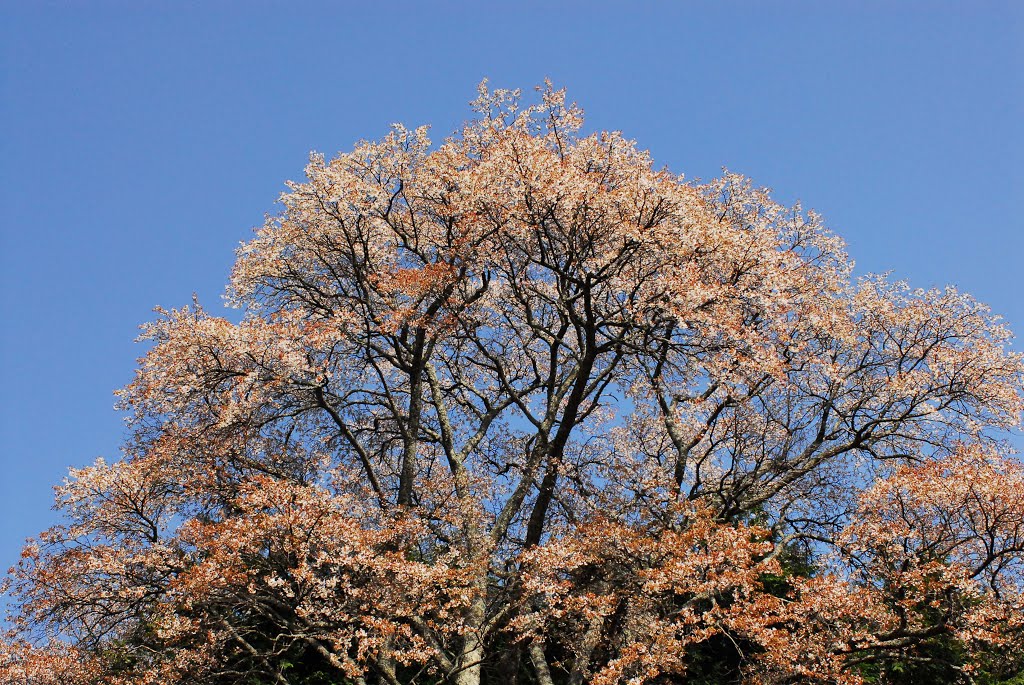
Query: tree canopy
[521, 408]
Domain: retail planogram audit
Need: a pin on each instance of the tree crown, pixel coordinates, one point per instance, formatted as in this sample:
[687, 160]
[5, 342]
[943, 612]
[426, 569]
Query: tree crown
[521, 406]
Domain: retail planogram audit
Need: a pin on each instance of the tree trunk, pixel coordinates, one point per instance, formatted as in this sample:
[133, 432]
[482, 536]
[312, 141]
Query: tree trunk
[472, 656]
[540, 664]
[472, 652]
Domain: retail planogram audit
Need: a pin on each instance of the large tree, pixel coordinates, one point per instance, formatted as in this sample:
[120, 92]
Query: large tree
[519, 407]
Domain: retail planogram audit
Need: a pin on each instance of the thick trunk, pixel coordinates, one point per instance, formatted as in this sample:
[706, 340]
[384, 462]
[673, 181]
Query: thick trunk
[581, 668]
[472, 656]
[540, 664]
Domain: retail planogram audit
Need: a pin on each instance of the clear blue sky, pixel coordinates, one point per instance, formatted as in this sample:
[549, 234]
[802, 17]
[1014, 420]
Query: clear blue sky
[140, 144]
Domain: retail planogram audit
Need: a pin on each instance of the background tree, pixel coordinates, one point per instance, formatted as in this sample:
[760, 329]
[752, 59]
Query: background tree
[521, 408]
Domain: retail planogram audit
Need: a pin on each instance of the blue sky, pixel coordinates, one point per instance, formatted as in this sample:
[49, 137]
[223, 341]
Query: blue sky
[141, 143]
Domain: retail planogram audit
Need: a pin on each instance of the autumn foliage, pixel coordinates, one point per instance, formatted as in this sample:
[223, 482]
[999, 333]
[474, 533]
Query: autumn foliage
[520, 408]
